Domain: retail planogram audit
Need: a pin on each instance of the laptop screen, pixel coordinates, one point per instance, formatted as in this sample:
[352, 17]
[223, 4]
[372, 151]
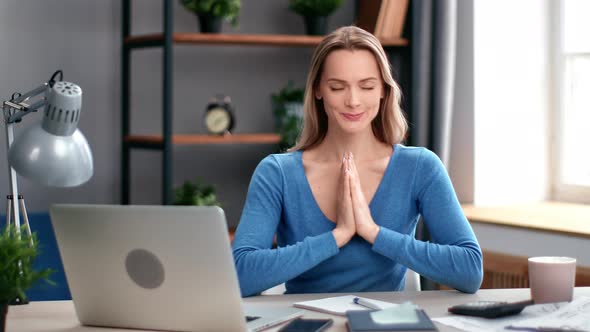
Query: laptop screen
[149, 267]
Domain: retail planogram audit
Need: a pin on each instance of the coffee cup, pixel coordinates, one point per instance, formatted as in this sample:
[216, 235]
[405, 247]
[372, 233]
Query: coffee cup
[552, 278]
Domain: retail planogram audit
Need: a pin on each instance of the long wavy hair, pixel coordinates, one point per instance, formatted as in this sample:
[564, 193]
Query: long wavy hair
[390, 125]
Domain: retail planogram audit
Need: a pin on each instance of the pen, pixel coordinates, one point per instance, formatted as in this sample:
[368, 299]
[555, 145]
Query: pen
[367, 303]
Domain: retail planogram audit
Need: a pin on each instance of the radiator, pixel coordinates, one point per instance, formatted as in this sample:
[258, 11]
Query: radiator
[507, 271]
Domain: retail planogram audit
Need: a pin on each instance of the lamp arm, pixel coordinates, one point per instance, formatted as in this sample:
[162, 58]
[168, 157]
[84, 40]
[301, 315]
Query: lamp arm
[13, 212]
[14, 110]
[18, 104]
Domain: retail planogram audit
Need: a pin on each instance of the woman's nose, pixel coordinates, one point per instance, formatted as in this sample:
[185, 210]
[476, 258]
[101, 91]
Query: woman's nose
[352, 98]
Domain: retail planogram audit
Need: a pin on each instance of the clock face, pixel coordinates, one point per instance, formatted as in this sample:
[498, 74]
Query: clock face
[218, 120]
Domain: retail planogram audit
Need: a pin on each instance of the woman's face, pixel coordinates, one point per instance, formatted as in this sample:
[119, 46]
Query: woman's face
[351, 89]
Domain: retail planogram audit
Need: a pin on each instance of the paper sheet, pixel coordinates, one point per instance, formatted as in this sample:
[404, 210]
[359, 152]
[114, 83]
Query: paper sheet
[477, 324]
[572, 316]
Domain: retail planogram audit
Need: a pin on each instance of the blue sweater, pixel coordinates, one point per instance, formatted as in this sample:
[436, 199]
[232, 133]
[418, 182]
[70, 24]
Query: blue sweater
[280, 201]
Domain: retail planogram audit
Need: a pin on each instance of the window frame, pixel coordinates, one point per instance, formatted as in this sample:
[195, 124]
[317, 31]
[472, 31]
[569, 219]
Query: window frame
[560, 191]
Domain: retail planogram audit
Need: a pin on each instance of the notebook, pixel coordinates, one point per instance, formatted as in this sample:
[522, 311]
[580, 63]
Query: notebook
[338, 305]
[154, 267]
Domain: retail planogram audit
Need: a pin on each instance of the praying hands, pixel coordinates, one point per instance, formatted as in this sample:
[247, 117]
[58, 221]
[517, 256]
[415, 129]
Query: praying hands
[353, 214]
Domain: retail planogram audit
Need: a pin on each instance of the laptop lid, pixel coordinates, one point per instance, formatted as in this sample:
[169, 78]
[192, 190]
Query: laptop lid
[152, 267]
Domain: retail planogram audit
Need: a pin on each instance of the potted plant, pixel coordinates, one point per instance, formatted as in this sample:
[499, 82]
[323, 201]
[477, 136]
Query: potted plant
[315, 13]
[196, 193]
[288, 110]
[211, 13]
[17, 254]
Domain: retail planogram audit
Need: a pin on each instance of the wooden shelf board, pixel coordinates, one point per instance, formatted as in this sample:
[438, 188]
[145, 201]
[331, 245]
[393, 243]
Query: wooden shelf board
[245, 39]
[208, 139]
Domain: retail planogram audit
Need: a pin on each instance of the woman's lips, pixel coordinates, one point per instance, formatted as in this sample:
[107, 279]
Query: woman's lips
[352, 116]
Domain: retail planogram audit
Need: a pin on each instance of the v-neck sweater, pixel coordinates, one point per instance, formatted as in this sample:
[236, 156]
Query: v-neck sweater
[307, 259]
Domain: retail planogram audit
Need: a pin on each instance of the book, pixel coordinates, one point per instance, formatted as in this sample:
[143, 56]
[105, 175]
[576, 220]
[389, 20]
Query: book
[339, 305]
[381, 19]
[397, 12]
[368, 12]
[361, 321]
[388, 13]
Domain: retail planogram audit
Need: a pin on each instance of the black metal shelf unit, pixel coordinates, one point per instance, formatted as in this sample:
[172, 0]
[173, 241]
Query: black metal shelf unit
[397, 50]
[166, 146]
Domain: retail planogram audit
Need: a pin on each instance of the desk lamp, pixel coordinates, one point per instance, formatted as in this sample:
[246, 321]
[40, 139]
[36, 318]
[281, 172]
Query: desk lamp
[52, 153]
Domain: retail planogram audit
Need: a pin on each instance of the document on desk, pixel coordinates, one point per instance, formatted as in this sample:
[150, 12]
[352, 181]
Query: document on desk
[540, 317]
[339, 305]
[572, 316]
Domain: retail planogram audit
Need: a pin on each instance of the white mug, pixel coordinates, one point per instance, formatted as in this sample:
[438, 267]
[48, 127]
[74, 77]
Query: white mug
[552, 278]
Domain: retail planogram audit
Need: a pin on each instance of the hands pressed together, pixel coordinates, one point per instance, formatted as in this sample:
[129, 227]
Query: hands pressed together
[353, 214]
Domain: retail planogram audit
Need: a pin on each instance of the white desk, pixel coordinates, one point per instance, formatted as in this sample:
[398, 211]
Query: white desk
[60, 316]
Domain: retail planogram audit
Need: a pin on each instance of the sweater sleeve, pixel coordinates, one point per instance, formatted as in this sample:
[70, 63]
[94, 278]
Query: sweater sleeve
[454, 257]
[258, 265]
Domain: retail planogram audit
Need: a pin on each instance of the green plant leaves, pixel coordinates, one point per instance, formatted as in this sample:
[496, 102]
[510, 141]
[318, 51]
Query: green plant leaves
[288, 120]
[314, 7]
[195, 193]
[16, 264]
[227, 9]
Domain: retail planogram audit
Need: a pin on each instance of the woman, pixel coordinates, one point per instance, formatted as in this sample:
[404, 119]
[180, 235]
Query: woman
[345, 201]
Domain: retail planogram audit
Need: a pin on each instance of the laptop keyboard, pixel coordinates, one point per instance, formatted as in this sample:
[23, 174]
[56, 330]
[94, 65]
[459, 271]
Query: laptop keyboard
[251, 318]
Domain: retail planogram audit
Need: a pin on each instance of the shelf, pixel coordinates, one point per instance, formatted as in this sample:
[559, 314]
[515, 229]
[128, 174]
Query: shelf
[239, 39]
[155, 141]
[166, 40]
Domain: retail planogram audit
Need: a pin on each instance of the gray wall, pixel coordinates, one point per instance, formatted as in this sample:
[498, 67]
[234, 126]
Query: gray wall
[82, 37]
[38, 37]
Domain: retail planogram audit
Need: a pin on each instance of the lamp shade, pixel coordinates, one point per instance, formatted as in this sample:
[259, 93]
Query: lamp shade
[52, 160]
[55, 153]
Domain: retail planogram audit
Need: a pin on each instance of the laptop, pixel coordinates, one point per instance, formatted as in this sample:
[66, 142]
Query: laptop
[154, 267]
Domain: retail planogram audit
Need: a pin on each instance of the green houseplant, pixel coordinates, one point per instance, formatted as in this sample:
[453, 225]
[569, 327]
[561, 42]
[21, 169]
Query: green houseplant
[288, 110]
[315, 13]
[195, 193]
[17, 254]
[211, 13]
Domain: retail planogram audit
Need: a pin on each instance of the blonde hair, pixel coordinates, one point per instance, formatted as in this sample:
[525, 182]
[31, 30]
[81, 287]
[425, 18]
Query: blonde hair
[390, 125]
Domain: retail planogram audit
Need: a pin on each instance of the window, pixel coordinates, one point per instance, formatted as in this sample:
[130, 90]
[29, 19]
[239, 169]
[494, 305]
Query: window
[571, 179]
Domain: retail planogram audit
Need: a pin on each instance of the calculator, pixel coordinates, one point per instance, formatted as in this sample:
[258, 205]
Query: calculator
[490, 309]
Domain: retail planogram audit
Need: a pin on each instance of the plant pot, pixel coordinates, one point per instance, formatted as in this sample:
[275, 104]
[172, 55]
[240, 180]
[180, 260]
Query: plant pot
[209, 23]
[316, 25]
[3, 313]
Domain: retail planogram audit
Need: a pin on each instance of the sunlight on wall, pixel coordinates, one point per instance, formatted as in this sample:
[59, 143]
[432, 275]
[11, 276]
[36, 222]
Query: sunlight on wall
[511, 73]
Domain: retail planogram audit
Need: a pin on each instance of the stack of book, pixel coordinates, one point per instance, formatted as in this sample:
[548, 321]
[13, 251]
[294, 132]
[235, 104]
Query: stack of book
[384, 18]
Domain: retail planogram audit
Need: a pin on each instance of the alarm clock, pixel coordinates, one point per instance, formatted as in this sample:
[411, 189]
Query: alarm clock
[219, 117]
